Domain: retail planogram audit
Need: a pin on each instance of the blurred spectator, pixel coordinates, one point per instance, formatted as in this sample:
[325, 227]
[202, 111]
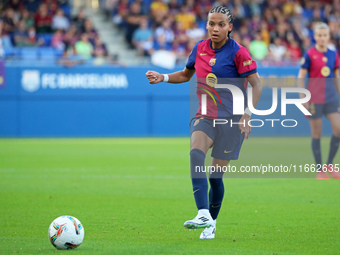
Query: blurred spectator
[51, 5]
[99, 49]
[161, 43]
[185, 17]
[27, 18]
[244, 32]
[258, 48]
[16, 5]
[255, 23]
[79, 20]
[32, 35]
[196, 33]
[306, 44]
[120, 13]
[60, 21]
[58, 40]
[165, 30]
[158, 9]
[203, 7]
[173, 7]
[43, 20]
[133, 19]
[9, 21]
[265, 33]
[277, 50]
[181, 37]
[70, 37]
[90, 31]
[294, 50]
[100, 53]
[21, 36]
[83, 47]
[108, 6]
[5, 41]
[142, 38]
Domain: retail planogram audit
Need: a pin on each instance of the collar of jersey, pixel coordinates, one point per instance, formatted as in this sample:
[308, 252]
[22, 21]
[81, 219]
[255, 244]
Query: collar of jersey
[323, 53]
[217, 50]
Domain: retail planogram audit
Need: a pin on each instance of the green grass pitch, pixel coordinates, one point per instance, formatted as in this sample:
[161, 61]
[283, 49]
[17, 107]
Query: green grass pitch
[134, 194]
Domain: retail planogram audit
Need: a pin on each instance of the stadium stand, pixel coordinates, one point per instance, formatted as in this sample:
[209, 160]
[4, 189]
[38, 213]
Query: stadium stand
[46, 30]
[275, 31]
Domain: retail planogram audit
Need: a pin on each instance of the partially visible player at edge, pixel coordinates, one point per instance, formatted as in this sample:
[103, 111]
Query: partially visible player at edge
[322, 65]
[213, 59]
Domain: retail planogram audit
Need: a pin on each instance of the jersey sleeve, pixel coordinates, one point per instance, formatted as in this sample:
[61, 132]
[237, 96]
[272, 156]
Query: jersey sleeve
[336, 66]
[305, 61]
[192, 58]
[244, 63]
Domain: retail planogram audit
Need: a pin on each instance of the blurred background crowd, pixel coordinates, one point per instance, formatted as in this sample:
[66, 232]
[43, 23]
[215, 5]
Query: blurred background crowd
[274, 31]
[47, 28]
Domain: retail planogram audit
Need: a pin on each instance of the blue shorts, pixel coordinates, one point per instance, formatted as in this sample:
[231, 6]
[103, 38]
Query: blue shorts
[317, 110]
[227, 138]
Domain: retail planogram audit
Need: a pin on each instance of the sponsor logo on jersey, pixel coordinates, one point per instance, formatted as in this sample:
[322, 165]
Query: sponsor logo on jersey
[248, 62]
[211, 79]
[325, 71]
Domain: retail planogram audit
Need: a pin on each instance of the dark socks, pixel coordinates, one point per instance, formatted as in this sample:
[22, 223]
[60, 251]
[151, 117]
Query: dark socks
[333, 149]
[316, 151]
[216, 194]
[199, 178]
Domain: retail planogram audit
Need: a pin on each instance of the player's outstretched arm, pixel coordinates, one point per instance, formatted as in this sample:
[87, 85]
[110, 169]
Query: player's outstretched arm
[255, 82]
[177, 77]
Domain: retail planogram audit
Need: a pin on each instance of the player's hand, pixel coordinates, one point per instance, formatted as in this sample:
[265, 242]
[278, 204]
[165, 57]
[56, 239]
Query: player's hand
[244, 125]
[154, 77]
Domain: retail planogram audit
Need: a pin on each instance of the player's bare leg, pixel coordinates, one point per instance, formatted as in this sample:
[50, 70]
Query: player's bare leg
[201, 141]
[200, 144]
[316, 128]
[334, 119]
[216, 195]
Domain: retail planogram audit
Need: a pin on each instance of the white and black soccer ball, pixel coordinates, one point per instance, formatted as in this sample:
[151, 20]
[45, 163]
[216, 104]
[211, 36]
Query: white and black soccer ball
[66, 232]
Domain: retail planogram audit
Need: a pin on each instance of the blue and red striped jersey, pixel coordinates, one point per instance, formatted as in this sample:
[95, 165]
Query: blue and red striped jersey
[228, 65]
[321, 66]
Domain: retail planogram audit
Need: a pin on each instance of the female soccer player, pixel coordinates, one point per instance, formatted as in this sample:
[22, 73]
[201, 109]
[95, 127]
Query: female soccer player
[214, 59]
[322, 65]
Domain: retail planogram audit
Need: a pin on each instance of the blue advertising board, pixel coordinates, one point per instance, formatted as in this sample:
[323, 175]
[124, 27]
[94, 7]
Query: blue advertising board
[87, 101]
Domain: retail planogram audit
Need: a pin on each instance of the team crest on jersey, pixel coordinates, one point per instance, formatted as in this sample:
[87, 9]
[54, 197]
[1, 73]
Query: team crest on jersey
[212, 62]
[211, 79]
[325, 71]
[324, 59]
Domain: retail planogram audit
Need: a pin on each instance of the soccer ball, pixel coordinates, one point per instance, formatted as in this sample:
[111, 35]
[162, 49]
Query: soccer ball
[66, 232]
